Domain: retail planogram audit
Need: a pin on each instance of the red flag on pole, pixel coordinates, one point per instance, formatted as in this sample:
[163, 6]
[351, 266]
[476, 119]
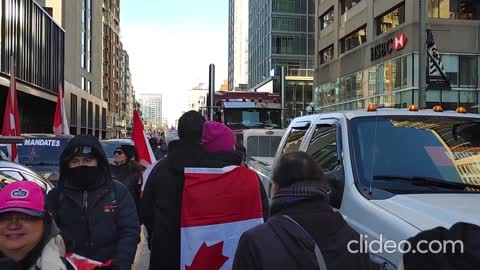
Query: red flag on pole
[11, 119]
[144, 151]
[60, 124]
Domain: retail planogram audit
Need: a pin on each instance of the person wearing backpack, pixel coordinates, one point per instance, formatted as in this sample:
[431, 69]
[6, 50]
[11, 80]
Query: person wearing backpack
[96, 215]
[303, 232]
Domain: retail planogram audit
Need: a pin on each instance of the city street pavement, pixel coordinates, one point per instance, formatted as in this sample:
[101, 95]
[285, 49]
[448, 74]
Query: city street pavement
[142, 257]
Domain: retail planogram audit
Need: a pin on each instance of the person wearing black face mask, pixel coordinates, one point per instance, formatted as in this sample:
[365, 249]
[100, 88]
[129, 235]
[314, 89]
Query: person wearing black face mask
[96, 215]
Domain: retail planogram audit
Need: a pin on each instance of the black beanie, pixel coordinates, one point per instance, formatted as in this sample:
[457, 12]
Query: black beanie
[469, 259]
[129, 151]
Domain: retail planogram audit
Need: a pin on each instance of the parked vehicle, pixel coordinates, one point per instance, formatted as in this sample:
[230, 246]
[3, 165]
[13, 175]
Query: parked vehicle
[395, 172]
[261, 146]
[11, 172]
[41, 153]
[110, 145]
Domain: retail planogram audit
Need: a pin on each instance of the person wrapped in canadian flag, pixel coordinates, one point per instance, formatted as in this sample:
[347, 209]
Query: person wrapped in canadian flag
[220, 201]
[194, 194]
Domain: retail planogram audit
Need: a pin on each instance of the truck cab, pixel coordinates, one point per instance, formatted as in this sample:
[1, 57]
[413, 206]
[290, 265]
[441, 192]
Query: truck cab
[395, 172]
[247, 110]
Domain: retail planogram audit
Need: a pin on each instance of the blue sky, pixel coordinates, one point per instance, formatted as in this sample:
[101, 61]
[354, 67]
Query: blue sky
[171, 43]
[212, 13]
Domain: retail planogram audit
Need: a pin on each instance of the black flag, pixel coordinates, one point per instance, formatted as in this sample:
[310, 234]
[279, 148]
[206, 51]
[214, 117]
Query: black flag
[437, 78]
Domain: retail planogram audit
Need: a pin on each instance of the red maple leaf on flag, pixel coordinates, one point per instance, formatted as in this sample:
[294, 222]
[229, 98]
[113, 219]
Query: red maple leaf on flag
[208, 258]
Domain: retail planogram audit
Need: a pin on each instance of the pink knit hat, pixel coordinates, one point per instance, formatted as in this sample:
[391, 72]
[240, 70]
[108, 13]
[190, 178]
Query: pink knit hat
[23, 196]
[217, 137]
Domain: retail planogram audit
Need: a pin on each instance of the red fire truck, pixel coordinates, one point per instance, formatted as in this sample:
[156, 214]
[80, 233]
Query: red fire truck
[246, 110]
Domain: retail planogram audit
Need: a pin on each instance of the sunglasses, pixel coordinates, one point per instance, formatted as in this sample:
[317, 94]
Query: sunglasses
[7, 217]
[118, 152]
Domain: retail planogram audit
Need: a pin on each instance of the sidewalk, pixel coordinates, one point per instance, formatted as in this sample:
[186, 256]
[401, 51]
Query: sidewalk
[142, 258]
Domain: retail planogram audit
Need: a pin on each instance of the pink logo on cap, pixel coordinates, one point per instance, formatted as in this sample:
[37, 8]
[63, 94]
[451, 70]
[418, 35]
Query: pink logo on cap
[22, 196]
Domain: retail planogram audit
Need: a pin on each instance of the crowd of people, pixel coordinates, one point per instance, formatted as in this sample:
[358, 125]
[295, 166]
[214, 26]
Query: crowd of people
[92, 218]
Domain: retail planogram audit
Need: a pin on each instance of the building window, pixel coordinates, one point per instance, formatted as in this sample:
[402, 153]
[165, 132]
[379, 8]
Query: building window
[90, 115]
[83, 113]
[454, 9]
[84, 83]
[391, 19]
[104, 118]
[97, 117]
[73, 110]
[89, 87]
[354, 39]
[326, 54]
[348, 4]
[327, 18]
[468, 71]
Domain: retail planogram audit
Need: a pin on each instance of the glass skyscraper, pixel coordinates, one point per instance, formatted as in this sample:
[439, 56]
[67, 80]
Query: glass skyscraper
[281, 33]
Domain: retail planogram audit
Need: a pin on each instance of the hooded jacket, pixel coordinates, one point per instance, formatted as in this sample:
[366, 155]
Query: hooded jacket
[260, 248]
[162, 197]
[48, 254]
[129, 174]
[100, 223]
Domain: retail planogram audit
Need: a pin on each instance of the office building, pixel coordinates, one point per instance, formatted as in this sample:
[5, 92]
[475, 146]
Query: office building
[112, 58]
[237, 44]
[39, 61]
[82, 21]
[281, 33]
[151, 107]
[126, 97]
[367, 53]
[197, 97]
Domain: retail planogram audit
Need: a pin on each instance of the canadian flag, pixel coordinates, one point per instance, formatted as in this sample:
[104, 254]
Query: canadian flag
[60, 124]
[144, 151]
[82, 263]
[218, 206]
[11, 119]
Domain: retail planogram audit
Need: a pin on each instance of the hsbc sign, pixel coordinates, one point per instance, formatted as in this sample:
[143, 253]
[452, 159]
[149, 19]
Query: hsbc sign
[383, 49]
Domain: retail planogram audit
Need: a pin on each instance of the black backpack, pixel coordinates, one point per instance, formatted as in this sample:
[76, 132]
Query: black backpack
[298, 243]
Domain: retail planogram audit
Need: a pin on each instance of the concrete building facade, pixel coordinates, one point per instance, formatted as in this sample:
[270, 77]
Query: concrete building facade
[82, 21]
[39, 62]
[367, 53]
[126, 96]
[197, 97]
[111, 68]
[238, 44]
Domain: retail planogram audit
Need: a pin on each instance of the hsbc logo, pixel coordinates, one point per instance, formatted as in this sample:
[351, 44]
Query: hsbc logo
[399, 42]
[383, 49]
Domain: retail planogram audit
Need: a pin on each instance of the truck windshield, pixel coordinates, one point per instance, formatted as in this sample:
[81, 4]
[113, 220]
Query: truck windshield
[252, 118]
[405, 154]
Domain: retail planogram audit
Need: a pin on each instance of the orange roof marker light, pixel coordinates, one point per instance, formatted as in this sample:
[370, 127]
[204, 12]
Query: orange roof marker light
[372, 108]
[413, 108]
[461, 110]
[438, 108]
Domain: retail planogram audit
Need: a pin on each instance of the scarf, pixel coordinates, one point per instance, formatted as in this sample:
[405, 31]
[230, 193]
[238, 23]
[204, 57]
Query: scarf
[299, 191]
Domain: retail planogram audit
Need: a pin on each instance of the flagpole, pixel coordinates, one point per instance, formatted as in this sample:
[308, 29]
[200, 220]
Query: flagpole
[422, 70]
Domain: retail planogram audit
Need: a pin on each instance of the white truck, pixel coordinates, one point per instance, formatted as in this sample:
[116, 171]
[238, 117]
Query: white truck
[395, 172]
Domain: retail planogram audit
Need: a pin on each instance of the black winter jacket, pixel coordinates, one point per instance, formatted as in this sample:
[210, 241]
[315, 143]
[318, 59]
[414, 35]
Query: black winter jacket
[260, 249]
[108, 227]
[129, 174]
[162, 197]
